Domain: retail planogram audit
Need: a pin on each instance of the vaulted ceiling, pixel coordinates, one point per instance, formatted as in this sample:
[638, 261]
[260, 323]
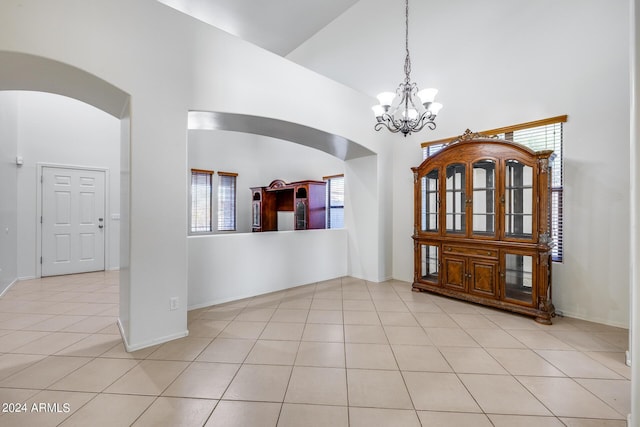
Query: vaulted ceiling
[276, 25]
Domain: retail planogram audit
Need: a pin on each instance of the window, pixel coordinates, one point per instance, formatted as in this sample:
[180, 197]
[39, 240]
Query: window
[335, 201]
[430, 150]
[227, 201]
[201, 191]
[539, 135]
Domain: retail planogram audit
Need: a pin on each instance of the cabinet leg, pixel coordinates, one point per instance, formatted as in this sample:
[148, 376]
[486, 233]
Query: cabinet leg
[545, 320]
[546, 312]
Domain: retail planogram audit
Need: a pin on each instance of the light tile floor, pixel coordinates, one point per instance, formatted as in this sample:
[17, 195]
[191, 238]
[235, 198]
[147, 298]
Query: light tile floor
[339, 353]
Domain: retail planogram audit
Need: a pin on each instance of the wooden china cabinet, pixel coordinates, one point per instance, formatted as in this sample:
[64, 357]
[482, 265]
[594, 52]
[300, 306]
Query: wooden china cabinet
[306, 199]
[481, 230]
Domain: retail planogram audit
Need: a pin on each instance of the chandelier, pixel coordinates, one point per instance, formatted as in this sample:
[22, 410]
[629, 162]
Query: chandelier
[415, 109]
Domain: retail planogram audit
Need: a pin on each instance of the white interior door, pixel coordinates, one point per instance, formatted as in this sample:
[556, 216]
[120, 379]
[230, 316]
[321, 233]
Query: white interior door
[73, 220]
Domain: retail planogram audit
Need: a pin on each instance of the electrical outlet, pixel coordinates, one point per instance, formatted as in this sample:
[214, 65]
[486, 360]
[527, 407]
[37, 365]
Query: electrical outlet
[173, 303]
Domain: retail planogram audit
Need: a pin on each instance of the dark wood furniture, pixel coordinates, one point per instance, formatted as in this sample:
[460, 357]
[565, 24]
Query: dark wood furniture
[481, 230]
[306, 199]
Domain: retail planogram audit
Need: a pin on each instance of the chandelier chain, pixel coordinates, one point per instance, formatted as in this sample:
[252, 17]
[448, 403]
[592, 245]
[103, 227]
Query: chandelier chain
[407, 59]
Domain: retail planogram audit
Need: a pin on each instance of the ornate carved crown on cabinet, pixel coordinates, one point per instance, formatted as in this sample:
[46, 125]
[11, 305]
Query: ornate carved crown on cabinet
[481, 230]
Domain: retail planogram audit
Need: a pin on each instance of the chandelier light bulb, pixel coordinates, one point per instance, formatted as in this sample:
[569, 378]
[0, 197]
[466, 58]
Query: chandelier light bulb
[435, 108]
[378, 110]
[427, 95]
[386, 98]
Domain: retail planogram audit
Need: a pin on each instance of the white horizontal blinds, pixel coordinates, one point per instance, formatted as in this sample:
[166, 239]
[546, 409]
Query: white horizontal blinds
[201, 190]
[547, 137]
[226, 201]
[430, 150]
[335, 201]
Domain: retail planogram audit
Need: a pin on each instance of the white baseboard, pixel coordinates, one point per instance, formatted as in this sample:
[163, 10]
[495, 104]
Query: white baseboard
[20, 279]
[594, 320]
[234, 298]
[225, 300]
[8, 287]
[130, 348]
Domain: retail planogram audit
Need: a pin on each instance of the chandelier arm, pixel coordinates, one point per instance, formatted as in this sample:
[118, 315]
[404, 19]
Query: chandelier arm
[387, 122]
[425, 120]
[406, 127]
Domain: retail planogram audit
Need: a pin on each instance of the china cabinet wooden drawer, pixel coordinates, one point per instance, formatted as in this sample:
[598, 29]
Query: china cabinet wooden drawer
[463, 250]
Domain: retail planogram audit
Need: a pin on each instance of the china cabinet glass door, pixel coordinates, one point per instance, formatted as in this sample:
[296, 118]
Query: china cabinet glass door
[430, 201]
[484, 190]
[429, 263]
[518, 200]
[301, 215]
[519, 277]
[256, 214]
[455, 199]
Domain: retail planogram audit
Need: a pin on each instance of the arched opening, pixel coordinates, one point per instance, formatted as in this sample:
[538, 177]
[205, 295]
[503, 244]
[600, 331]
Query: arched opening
[337, 146]
[264, 149]
[22, 72]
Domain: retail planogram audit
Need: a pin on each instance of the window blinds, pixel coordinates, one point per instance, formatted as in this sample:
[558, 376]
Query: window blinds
[226, 201]
[201, 190]
[335, 201]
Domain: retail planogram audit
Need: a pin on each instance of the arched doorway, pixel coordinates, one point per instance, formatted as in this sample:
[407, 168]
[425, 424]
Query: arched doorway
[22, 72]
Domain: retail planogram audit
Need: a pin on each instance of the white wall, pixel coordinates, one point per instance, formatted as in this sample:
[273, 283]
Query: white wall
[58, 130]
[504, 62]
[168, 73]
[124, 318]
[634, 247]
[360, 218]
[8, 189]
[228, 267]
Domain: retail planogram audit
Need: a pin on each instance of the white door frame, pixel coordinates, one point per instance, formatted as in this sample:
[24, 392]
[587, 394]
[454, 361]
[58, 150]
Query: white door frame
[107, 217]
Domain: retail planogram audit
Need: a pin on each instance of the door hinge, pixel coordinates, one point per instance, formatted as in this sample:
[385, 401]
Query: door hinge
[41, 178]
[40, 260]
[40, 219]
